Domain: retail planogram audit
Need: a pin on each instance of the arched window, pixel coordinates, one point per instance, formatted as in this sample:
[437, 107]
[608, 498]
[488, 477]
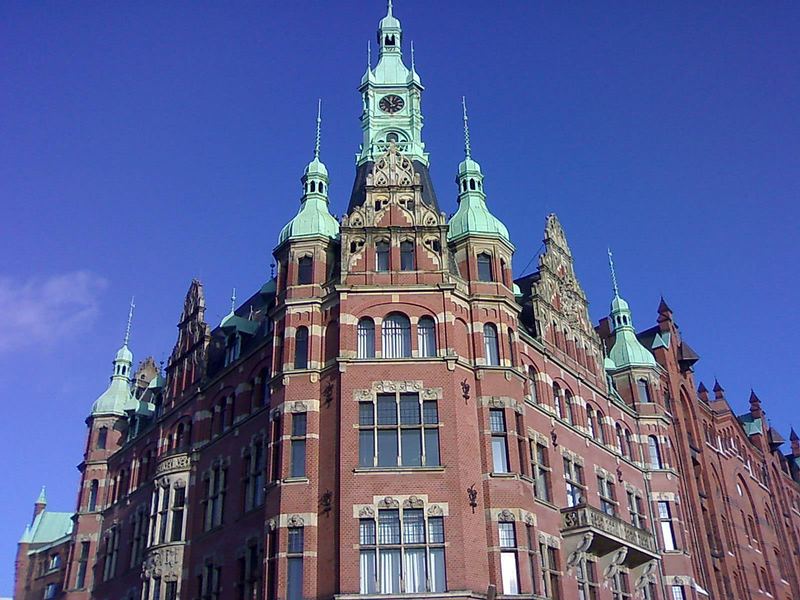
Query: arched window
[503, 273]
[382, 256]
[512, 355]
[644, 390]
[491, 348]
[426, 337]
[180, 437]
[93, 488]
[366, 338]
[620, 439]
[301, 348]
[485, 267]
[532, 385]
[569, 413]
[601, 432]
[396, 336]
[305, 270]
[590, 422]
[629, 444]
[407, 256]
[102, 438]
[655, 452]
[557, 401]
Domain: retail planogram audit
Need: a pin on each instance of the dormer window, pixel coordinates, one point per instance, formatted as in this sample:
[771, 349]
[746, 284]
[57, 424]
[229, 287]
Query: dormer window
[232, 348]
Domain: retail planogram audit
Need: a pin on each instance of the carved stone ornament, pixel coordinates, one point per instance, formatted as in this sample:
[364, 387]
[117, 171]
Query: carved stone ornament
[299, 407]
[413, 502]
[646, 577]
[388, 502]
[392, 169]
[435, 511]
[367, 512]
[529, 519]
[165, 563]
[616, 560]
[430, 394]
[296, 521]
[179, 484]
[271, 525]
[585, 543]
[496, 402]
[506, 515]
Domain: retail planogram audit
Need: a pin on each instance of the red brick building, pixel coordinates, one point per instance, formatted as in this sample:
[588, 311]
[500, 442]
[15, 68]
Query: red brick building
[394, 416]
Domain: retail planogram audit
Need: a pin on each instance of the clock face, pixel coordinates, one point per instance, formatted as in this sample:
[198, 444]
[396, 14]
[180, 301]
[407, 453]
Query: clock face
[391, 104]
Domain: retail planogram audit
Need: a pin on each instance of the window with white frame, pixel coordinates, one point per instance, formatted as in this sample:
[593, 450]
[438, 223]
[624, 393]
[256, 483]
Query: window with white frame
[655, 452]
[509, 569]
[83, 562]
[573, 476]
[366, 338]
[497, 426]
[233, 347]
[402, 553]
[294, 560]
[540, 471]
[608, 500]
[111, 553]
[426, 337]
[530, 537]
[407, 256]
[569, 405]
[636, 509]
[210, 582]
[254, 466]
[55, 562]
[138, 536]
[532, 385]
[178, 512]
[50, 591]
[558, 401]
[491, 348]
[485, 267]
[396, 336]
[586, 574]
[301, 348]
[214, 496]
[678, 593]
[551, 584]
[621, 586]
[644, 391]
[667, 530]
[398, 430]
[382, 256]
[298, 445]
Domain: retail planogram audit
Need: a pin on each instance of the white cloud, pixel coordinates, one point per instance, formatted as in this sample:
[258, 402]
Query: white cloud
[43, 311]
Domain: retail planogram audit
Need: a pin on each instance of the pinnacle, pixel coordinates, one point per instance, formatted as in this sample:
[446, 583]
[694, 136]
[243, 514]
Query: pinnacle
[793, 435]
[754, 400]
[701, 389]
[717, 387]
[663, 307]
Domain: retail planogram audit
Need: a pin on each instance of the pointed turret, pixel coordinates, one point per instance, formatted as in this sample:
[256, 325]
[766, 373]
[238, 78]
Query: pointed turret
[664, 311]
[313, 218]
[719, 391]
[702, 392]
[627, 350]
[40, 504]
[118, 398]
[795, 442]
[755, 406]
[472, 216]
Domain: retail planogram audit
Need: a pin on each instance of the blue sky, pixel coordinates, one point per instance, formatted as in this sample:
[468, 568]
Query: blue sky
[143, 144]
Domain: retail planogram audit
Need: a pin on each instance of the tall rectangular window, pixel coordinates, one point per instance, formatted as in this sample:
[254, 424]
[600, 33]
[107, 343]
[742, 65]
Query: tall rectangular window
[403, 554]
[532, 557]
[275, 445]
[366, 338]
[608, 503]
[573, 476]
[382, 256]
[667, 531]
[163, 514]
[305, 270]
[497, 426]
[298, 442]
[586, 574]
[83, 561]
[551, 583]
[678, 593]
[178, 507]
[407, 256]
[636, 508]
[102, 437]
[485, 267]
[620, 586]
[171, 590]
[215, 497]
[508, 558]
[294, 554]
[540, 471]
[398, 429]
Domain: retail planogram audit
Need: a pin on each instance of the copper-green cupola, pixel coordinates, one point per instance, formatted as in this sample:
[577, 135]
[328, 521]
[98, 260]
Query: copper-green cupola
[118, 397]
[473, 216]
[313, 218]
[627, 350]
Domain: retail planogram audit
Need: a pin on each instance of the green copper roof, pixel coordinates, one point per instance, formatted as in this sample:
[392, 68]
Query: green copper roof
[751, 426]
[47, 527]
[117, 398]
[42, 499]
[314, 218]
[472, 216]
[627, 350]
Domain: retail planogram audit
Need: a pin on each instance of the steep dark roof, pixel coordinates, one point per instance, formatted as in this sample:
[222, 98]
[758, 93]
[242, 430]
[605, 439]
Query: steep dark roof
[359, 193]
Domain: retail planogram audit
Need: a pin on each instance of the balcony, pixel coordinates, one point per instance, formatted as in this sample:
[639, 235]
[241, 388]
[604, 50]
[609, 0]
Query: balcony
[606, 535]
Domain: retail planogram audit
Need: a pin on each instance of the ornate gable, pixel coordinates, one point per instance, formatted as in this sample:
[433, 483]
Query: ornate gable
[560, 303]
[188, 359]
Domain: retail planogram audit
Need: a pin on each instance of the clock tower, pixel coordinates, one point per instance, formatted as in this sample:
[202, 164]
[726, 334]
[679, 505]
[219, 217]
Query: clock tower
[391, 111]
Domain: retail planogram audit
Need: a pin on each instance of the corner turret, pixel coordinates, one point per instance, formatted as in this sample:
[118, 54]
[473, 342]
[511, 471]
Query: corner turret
[118, 397]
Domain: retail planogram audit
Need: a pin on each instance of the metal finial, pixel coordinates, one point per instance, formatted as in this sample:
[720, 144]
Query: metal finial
[128, 327]
[412, 56]
[319, 124]
[389, 8]
[467, 148]
[233, 300]
[369, 55]
[613, 272]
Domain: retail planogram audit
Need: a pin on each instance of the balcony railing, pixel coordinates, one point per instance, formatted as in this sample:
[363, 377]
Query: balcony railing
[609, 534]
